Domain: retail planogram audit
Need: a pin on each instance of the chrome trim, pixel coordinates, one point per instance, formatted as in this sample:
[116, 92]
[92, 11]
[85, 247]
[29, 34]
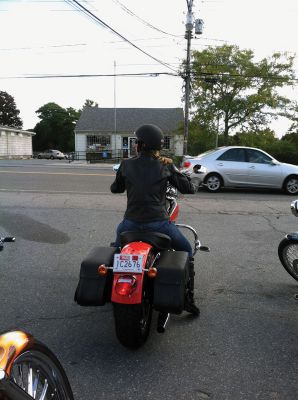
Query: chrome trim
[197, 243]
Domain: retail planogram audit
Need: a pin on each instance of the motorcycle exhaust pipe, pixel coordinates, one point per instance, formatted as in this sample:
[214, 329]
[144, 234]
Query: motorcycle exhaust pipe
[162, 321]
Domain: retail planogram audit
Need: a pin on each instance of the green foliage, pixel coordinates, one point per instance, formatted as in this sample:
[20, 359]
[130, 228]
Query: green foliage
[200, 138]
[283, 151]
[254, 139]
[90, 103]
[291, 138]
[56, 128]
[9, 114]
[229, 86]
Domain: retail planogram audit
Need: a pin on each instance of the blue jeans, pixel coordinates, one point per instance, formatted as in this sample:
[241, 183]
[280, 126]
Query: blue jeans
[179, 241]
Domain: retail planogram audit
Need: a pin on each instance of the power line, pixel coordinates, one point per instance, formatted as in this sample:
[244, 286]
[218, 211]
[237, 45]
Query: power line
[43, 47]
[203, 75]
[141, 74]
[128, 11]
[77, 5]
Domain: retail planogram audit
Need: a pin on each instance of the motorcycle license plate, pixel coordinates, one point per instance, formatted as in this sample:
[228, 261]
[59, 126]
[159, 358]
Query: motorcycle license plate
[128, 263]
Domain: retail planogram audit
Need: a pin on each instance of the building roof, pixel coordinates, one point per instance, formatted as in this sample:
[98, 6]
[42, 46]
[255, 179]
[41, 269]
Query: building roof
[95, 119]
[16, 130]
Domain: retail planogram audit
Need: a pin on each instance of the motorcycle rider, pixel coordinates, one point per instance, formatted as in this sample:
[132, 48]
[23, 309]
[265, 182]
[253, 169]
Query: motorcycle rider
[145, 179]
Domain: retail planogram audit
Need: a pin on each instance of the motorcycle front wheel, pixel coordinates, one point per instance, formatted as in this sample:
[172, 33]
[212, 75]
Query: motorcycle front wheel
[132, 323]
[288, 255]
[39, 373]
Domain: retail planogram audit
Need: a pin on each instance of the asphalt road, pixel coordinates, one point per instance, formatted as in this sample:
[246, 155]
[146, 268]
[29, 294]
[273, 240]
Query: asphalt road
[243, 346]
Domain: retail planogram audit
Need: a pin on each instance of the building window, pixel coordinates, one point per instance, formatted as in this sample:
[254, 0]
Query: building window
[167, 142]
[98, 142]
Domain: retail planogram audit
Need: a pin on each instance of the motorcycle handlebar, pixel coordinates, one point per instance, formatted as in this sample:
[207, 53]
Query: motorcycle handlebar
[5, 239]
[8, 239]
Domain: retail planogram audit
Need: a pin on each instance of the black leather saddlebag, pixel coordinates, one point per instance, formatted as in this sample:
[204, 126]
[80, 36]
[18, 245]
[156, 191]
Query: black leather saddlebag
[93, 289]
[170, 281]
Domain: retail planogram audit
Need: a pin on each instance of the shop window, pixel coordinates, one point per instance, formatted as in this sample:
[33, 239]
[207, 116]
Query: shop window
[98, 142]
[167, 142]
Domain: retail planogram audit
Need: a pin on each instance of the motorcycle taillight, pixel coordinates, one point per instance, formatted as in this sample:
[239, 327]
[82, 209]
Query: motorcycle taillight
[125, 285]
[186, 164]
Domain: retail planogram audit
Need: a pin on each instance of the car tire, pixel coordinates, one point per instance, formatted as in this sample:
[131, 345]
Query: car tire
[39, 157]
[213, 182]
[52, 157]
[291, 185]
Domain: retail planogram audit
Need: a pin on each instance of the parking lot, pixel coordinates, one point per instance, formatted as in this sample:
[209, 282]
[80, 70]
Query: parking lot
[244, 344]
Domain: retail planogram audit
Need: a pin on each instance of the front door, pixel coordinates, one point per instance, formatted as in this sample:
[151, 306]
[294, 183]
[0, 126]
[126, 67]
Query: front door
[128, 146]
[233, 166]
[262, 171]
[132, 146]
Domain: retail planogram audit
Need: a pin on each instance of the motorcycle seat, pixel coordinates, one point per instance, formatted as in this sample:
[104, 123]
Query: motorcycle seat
[158, 240]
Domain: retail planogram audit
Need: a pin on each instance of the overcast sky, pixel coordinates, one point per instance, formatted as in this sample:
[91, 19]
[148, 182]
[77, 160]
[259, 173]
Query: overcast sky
[41, 37]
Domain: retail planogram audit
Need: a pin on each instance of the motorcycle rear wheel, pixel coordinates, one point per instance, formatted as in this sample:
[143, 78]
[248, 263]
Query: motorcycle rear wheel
[132, 323]
[39, 373]
[288, 255]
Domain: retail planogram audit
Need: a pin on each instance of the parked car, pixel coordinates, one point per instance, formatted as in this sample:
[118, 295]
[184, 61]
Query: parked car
[52, 154]
[240, 166]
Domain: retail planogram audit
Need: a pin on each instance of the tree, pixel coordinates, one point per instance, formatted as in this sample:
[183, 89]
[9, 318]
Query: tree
[260, 139]
[201, 137]
[56, 128]
[229, 87]
[90, 103]
[9, 114]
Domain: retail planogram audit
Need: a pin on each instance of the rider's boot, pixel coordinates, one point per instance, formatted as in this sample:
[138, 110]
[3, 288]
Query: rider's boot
[189, 304]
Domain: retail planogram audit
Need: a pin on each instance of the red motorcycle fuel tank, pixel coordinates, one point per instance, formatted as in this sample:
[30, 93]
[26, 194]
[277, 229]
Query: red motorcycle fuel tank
[128, 287]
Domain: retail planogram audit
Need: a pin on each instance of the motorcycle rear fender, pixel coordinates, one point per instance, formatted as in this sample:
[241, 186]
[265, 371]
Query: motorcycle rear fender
[292, 236]
[136, 296]
[11, 345]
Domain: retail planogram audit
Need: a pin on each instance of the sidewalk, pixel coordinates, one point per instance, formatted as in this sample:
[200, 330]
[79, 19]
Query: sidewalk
[55, 163]
[84, 163]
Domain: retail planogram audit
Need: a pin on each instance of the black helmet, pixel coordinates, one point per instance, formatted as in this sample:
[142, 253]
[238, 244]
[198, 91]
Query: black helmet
[151, 136]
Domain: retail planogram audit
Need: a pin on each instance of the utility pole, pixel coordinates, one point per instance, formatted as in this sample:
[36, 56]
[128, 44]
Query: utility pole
[188, 36]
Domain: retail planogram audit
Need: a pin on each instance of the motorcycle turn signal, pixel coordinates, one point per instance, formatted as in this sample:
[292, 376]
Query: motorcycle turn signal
[152, 272]
[102, 270]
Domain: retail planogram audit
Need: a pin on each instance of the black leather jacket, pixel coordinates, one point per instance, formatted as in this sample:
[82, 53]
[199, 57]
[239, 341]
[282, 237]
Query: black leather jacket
[145, 180]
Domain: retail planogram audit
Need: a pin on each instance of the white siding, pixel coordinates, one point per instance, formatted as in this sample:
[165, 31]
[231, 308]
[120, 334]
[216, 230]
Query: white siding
[3, 144]
[13, 144]
[81, 145]
[118, 142]
[178, 145]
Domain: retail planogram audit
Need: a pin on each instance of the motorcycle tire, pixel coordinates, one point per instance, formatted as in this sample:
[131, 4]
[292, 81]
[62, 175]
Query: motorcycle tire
[132, 323]
[39, 373]
[288, 255]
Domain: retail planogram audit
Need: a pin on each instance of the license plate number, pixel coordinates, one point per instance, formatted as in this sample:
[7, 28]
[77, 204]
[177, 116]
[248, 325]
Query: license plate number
[128, 263]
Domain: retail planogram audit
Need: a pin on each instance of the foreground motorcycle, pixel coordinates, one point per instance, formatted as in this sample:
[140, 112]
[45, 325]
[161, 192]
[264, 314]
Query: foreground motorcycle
[288, 248]
[28, 369]
[145, 273]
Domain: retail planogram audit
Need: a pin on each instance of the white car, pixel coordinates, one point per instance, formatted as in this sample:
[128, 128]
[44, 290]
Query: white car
[52, 154]
[238, 166]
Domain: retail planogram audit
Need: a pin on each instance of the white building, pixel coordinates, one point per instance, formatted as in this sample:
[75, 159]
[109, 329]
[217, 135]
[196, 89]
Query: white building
[109, 132]
[15, 143]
